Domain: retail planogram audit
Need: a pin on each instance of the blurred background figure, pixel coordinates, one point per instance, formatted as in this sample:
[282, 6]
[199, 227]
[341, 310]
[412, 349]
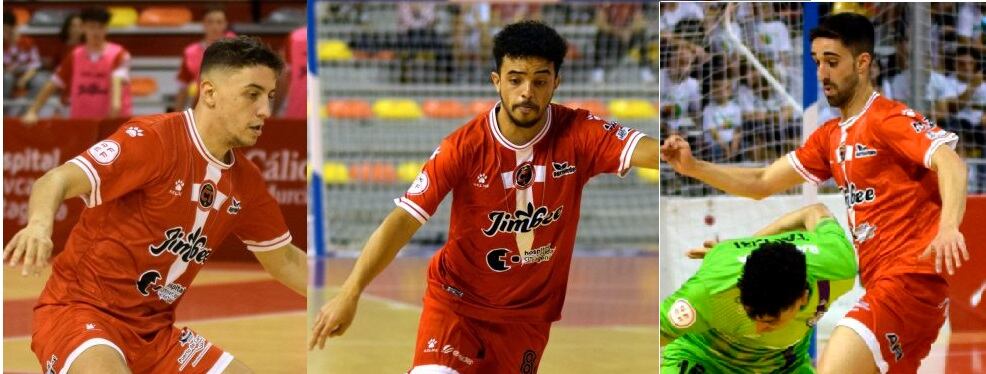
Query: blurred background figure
[216, 26]
[21, 63]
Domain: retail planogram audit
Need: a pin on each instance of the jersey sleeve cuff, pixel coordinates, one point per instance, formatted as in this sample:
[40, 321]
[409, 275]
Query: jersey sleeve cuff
[413, 209]
[627, 154]
[792, 158]
[269, 245]
[951, 140]
[94, 198]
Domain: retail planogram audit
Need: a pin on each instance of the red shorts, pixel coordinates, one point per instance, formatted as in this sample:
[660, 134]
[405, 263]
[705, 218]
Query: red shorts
[62, 333]
[449, 343]
[899, 318]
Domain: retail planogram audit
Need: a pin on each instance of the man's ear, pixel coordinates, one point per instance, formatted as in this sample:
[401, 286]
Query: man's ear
[495, 79]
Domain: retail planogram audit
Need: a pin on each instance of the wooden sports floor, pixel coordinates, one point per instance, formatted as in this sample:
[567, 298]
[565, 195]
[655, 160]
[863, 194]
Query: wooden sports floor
[609, 323]
[237, 307]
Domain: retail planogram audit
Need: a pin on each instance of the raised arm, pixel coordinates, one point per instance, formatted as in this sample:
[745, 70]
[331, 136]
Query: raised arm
[382, 247]
[31, 246]
[756, 183]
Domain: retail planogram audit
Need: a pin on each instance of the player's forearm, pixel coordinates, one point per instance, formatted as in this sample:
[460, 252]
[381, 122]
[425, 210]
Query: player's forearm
[952, 186]
[802, 219]
[380, 250]
[47, 194]
[733, 180]
[288, 265]
[42, 98]
[116, 93]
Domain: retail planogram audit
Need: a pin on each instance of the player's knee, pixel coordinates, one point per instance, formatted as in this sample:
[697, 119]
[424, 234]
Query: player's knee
[237, 367]
[433, 369]
[99, 358]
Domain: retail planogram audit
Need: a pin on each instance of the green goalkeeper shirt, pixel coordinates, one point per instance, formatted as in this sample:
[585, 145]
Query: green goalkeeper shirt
[706, 313]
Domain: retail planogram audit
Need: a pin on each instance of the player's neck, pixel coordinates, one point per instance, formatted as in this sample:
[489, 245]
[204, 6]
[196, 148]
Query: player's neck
[858, 100]
[516, 134]
[208, 129]
[95, 45]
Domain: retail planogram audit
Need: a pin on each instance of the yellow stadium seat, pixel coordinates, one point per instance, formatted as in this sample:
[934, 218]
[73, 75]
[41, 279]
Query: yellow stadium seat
[632, 109]
[649, 175]
[122, 16]
[334, 49]
[335, 173]
[399, 109]
[408, 171]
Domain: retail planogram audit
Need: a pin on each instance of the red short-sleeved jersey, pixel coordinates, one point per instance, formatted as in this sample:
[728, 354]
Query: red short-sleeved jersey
[515, 209]
[159, 204]
[880, 160]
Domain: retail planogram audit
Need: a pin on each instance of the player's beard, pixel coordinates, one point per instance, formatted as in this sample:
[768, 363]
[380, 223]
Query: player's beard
[841, 97]
[517, 122]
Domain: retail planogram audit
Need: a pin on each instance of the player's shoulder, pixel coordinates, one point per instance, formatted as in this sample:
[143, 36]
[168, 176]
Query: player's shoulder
[889, 113]
[246, 166]
[569, 120]
[472, 133]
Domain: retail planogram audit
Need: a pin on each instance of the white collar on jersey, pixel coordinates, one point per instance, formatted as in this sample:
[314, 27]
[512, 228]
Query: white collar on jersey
[503, 139]
[193, 134]
[851, 120]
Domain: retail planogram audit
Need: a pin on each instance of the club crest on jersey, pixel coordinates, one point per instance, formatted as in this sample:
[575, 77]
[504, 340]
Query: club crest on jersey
[562, 169]
[234, 207]
[420, 184]
[855, 196]
[500, 260]
[105, 152]
[682, 314]
[524, 175]
[207, 195]
[191, 247]
[863, 151]
[521, 220]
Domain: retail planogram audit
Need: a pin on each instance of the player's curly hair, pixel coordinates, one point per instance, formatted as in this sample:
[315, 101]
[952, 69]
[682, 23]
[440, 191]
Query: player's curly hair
[529, 39]
[774, 278]
[240, 52]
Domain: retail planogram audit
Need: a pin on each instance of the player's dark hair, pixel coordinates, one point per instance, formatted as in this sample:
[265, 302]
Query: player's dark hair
[95, 14]
[240, 52]
[853, 30]
[214, 7]
[529, 39]
[774, 278]
[965, 50]
[9, 19]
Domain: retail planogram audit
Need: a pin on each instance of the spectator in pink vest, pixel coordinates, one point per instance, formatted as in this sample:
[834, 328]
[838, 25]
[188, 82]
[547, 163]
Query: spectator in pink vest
[96, 74]
[214, 24]
[296, 54]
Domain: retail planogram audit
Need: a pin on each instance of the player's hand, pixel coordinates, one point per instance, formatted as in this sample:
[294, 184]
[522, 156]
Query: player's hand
[949, 248]
[29, 118]
[700, 253]
[30, 247]
[677, 152]
[333, 319]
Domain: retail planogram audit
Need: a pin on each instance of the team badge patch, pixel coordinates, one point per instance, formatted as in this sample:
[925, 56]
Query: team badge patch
[207, 195]
[420, 184]
[524, 176]
[682, 314]
[105, 152]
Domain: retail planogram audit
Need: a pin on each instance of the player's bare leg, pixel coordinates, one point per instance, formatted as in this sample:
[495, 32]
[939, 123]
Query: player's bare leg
[237, 367]
[99, 359]
[846, 353]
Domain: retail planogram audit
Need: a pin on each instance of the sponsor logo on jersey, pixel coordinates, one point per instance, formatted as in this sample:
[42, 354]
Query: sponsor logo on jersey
[622, 133]
[855, 196]
[454, 291]
[50, 364]
[863, 232]
[918, 126]
[419, 185]
[431, 346]
[207, 195]
[863, 151]
[895, 345]
[105, 152]
[481, 181]
[524, 175]
[593, 117]
[500, 259]
[134, 131]
[234, 207]
[755, 243]
[608, 126]
[562, 169]
[521, 220]
[528, 362]
[435, 153]
[195, 348]
[449, 349]
[190, 247]
[935, 134]
[682, 314]
[179, 185]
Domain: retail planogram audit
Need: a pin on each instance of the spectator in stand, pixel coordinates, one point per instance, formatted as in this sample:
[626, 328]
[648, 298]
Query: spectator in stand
[417, 22]
[621, 27]
[21, 62]
[96, 75]
[215, 25]
[296, 84]
[767, 119]
[964, 105]
[69, 37]
[681, 94]
[722, 120]
[900, 84]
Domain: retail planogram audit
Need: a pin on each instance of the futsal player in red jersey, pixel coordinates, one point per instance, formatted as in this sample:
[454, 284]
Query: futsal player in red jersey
[161, 193]
[516, 173]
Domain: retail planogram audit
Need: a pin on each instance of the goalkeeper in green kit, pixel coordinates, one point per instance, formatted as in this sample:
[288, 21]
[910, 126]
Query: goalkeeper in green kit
[751, 305]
